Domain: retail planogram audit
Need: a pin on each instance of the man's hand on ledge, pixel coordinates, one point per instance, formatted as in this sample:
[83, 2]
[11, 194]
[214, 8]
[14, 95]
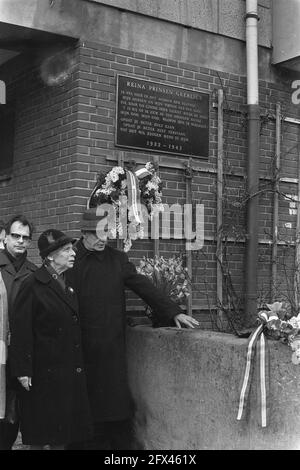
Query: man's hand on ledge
[185, 320]
[25, 382]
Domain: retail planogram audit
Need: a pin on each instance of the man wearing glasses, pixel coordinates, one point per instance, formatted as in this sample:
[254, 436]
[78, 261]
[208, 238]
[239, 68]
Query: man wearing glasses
[14, 268]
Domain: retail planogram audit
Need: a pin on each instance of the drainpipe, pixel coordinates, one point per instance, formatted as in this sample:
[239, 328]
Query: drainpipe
[252, 18]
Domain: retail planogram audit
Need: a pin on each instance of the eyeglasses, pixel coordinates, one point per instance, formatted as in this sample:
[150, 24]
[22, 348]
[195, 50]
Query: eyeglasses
[17, 236]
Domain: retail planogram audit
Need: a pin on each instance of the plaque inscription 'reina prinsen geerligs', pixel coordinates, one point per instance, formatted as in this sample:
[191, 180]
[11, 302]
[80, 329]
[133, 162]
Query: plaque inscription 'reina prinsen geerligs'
[162, 118]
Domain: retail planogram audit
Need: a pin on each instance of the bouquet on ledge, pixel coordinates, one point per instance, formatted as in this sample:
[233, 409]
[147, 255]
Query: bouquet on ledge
[278, 325]
[132, 195]
[169, 275]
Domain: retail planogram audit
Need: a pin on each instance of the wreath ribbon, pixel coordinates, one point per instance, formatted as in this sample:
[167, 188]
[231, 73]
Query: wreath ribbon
[134, 196]
[257, 344]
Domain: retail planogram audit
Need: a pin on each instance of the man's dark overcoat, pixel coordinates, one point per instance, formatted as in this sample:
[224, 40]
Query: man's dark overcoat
[46, 345]
[13, 279]
[100, 279]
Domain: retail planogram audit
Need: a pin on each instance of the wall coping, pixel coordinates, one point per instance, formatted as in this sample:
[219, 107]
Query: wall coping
[186, 386]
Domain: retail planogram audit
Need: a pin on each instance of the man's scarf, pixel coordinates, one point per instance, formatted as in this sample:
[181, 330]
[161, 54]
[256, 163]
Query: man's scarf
[3, 344]
[17, 261]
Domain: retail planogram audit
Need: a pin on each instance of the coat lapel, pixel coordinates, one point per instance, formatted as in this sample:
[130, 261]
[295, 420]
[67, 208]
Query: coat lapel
[24, 271]
[68, 297]
[6, 265]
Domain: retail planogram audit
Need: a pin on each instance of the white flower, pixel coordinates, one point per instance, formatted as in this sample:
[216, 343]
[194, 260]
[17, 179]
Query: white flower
[295, 321]
[149, 167]
[141, 232]
[114, 177]
[150, 185]
[107, 191]
[119, 169]
[156, 179]
[127, 245]
[295, 345]
[120, 228]
[113, 232]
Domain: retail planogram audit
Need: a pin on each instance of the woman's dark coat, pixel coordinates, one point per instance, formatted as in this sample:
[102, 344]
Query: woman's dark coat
[46, 345]
[100, 279]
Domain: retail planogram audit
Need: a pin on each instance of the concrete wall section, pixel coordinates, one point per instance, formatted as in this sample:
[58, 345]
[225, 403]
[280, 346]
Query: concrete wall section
[186, 385]
[59, 16]
[286, 40]
[211, 47]
[216, 16]
[169, 40]
[201, 14]
[147, 36]
[232, 23]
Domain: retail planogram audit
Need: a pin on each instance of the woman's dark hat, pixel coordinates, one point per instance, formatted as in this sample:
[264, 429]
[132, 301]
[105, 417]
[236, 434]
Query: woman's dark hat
[51, 240]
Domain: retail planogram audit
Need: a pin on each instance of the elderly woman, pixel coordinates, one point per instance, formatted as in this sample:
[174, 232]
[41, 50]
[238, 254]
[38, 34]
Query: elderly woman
[45, 351]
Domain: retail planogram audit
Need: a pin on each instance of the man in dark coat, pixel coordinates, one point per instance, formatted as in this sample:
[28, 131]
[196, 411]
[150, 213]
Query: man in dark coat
[100, 276]
[14, 268]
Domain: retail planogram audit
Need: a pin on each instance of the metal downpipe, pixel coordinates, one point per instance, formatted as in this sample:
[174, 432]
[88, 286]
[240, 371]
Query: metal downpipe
[251, 248]
[252, 216]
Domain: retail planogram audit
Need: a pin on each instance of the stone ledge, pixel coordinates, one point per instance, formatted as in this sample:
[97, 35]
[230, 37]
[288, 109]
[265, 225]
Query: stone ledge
[186, 385]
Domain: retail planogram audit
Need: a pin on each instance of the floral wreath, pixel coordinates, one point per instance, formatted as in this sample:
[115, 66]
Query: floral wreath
[139, 188]
[278, 326]
[275, 323]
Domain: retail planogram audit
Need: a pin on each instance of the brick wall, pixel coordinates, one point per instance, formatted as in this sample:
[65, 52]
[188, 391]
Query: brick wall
[100, 66]
[46, 182]
[65, 135]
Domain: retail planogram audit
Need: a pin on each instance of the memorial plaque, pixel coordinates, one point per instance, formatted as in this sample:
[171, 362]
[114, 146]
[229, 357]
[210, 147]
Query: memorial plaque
[162, 118]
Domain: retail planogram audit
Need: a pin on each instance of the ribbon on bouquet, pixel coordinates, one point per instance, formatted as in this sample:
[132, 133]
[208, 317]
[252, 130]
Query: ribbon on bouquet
[133, 195]
[134, 200]
[257, 348]
[142, 172]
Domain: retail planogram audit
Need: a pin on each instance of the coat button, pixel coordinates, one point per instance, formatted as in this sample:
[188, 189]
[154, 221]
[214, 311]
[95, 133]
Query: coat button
[78, 370]
[75, 318]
